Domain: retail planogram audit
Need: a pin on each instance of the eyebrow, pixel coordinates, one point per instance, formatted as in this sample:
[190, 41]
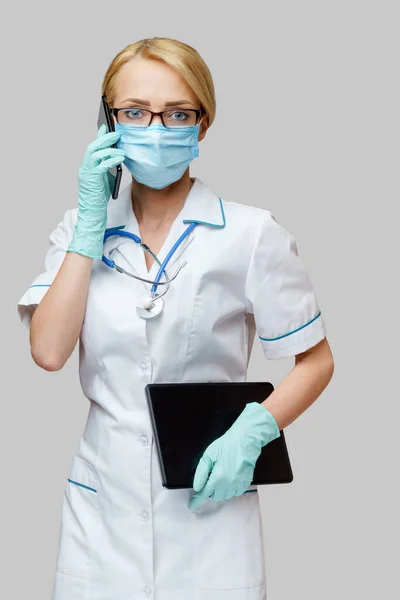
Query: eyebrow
[147, 103]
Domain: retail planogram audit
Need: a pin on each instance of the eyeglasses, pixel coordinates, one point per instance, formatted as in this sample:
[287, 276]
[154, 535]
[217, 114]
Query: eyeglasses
[170, 118]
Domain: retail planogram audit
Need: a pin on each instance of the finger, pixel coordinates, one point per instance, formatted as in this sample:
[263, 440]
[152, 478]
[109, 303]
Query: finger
[232, 491]
[97, 159]
[244, 485]
[197, 500]
[211, 487]
[207, 492]
[102, 130]
[220, 493]
[106, 152]
[104, 141]
[101, 155]
[202, 473]
[110, 163]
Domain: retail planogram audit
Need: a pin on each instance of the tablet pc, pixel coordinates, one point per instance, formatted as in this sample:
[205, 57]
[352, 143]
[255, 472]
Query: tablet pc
[187, 417]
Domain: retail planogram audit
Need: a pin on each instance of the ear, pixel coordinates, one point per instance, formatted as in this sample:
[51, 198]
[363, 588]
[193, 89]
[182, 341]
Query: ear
[204, 125]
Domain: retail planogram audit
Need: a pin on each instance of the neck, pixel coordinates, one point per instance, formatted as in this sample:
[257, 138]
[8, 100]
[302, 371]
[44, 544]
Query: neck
[160, 206]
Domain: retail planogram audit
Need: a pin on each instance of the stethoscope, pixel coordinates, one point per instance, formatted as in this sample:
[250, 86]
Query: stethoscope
[150, 305]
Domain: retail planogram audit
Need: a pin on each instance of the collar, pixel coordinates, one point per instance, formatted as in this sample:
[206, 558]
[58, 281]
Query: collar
[201, 206]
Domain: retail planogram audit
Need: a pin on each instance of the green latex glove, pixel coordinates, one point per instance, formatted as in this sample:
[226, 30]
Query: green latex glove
[94, 194]
[226, 468]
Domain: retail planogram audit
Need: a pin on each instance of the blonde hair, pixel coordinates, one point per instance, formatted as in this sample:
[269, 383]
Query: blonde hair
[183, 58]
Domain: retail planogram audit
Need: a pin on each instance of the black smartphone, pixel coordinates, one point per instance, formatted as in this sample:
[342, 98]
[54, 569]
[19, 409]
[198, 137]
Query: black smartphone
[105, 117]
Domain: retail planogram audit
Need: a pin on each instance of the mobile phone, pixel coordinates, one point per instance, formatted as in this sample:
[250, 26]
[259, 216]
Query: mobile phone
[105, 117]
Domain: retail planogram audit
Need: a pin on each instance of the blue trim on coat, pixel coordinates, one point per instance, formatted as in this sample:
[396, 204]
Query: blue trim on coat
[40, 285]
[216, 225]
[116, 228]
[290, 332]
[84, 486]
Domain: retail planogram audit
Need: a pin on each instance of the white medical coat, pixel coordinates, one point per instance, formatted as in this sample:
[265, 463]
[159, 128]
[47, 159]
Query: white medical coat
[123, 535]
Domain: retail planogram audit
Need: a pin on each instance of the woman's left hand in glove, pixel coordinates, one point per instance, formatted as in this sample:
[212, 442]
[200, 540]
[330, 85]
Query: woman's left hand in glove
[227, 466]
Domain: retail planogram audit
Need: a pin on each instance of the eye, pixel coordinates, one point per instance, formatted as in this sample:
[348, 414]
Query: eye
[134, 113]
[180, 115]
[176, 118]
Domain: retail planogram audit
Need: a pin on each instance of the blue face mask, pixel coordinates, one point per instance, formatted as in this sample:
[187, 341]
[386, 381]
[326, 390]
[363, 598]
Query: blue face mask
[157, 156]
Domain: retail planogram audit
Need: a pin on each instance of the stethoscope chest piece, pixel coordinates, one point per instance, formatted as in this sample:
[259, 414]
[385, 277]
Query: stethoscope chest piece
[148, 308]
[152, 304]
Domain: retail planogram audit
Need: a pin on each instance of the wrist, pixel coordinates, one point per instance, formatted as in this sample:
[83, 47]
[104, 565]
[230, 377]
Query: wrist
[87, 242]
[268, 427]
[259, 423]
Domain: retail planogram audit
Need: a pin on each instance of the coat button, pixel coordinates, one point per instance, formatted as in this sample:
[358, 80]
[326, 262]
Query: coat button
[143, 366]
[147, 591]
[145, 515]
[144, 440]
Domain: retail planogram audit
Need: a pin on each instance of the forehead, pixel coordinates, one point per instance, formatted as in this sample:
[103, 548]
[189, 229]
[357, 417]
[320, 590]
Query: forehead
[150, 80]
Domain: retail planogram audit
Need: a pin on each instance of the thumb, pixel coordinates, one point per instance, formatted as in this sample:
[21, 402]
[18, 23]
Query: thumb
[197, 500]
[202, 472]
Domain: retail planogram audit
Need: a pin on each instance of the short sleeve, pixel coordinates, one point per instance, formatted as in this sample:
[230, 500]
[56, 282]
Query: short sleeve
[59, 242]
[280, 295]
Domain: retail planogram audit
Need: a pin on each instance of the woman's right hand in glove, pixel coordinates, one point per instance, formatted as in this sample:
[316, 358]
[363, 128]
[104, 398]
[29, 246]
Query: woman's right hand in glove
[94, 194]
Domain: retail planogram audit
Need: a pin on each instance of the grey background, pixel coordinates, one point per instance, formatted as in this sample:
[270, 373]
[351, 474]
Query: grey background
[308, 127]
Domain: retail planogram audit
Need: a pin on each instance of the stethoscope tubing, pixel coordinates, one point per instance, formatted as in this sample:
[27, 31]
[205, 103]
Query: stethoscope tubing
[162, 268]
[166, 260]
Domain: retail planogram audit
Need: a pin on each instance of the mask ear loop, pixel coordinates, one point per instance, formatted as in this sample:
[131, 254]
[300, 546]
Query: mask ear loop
[202, 116]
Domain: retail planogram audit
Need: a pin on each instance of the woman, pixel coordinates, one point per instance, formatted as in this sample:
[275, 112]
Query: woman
[123, 535]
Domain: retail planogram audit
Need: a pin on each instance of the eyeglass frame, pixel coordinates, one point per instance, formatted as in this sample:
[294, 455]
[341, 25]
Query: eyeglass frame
[198, 111]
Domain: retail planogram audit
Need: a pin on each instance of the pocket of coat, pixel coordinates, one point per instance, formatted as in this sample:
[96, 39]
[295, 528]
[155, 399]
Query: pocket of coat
[80, 520]
[229, 544]
[66, 587]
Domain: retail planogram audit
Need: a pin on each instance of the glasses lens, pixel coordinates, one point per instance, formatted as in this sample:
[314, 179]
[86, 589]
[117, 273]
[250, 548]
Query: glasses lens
[134, 116]
[180, 118]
